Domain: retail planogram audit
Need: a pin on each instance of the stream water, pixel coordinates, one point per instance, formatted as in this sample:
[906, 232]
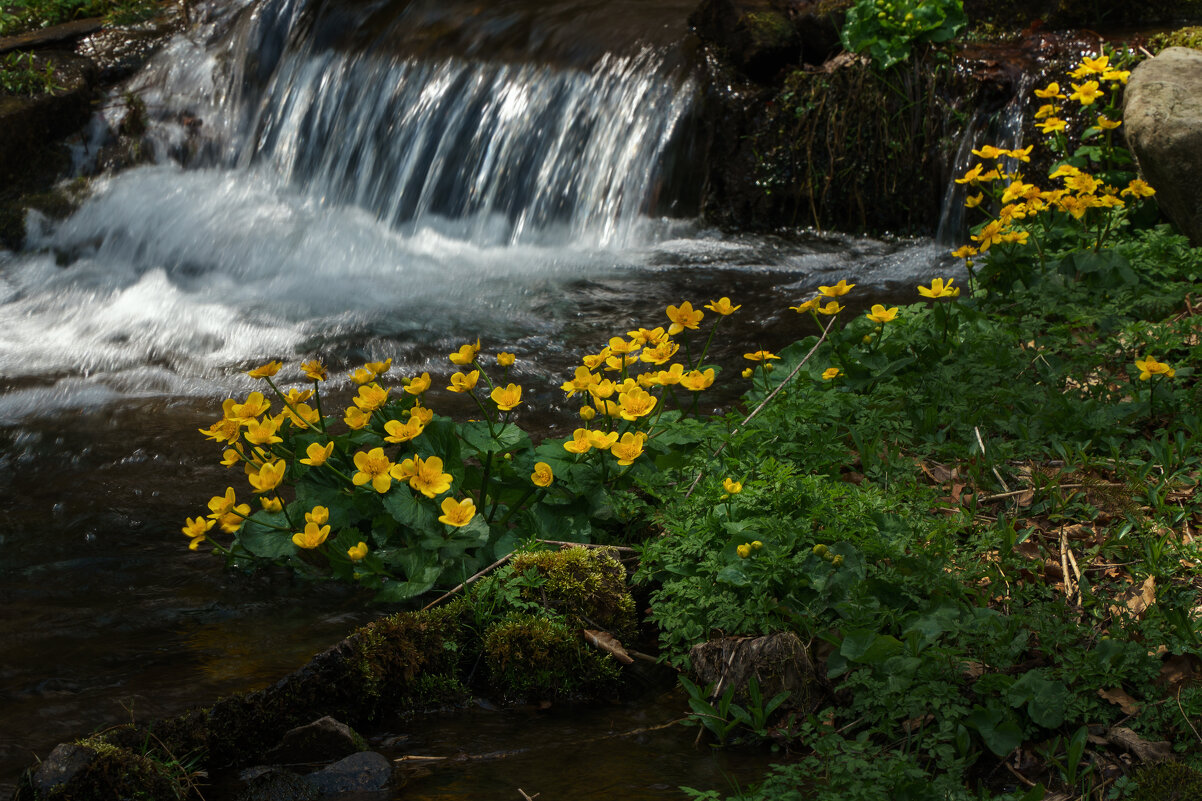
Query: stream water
[352, 181]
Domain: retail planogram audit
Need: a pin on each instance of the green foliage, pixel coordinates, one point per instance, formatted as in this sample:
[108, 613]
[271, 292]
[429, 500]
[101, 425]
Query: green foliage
[721, 716]
[21, 74]
[889, 29]
[18, 16]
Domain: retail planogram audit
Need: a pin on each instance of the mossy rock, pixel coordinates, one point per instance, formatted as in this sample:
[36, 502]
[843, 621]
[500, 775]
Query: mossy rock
[96, 769]
[585, 585]
[1168, 781]
[534, 657]
[1190, 36]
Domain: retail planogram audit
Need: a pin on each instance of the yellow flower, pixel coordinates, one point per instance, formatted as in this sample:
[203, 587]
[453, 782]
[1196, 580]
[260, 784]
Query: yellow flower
[965, 252]
[939, 289]
[313, 536]
[620, 362]
[542, 475]
[831, 373]
[1052, 125]
[318, 454]
[506, 397]
[620, 347]
[300, 415]
[372, 467]
[505, 359]
[426, 476]
[830, 308]
[660, 352]
[1047, 110]
[1086, 93]
[1023, 154]
[419, 412]
[1091, 66]
[595, 360]
[196, 529]
[315, 370]
[319, 515]
[363, 376]
[1018, 189]
[262, 432]
[1119, 76]
[254, 405]
[748, 372]
[583, 380]
[760, 355]
[273, 505]
[629, 448]
[1064, 171]
[731, 486]
[722, 307]
[466, 353]
[602, 440]
[880, 314]
[838, 290]
[1149, 367]
[418, 385]
[649, 337]
[1138, 188]
[371, 397]
[683, 316]
[403, 432]
[974, 201]
[1052, 90]
[805, 306]
[379, 368]
[1082, 183]
[265, 370]
[636, 403]
[989, 152]
[1107, 124]
[230, 457]
[579, 443]
[744, 550]
[464, 382]
[356, 418]
[696, 380]
[587, 413]
[356, 553]
[756, 545]
[457, 513]
[222, 505]
[268, 477]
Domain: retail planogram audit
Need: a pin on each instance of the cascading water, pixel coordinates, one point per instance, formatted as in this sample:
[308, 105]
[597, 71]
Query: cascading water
[350, 181]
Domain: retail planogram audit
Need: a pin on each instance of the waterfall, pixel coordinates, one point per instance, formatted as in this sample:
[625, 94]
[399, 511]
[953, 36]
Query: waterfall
[495, 151]
[1002, 128]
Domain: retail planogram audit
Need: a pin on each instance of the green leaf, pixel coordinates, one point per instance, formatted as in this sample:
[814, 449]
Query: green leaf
[263, 540]
[410, 509]
[509, 437]
[1046, 700]
[869, 647]
[997, 729]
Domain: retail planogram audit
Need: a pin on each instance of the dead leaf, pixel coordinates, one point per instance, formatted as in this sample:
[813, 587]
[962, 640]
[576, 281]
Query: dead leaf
[914, 724]
[608, 643]
[1180, 670]
[1137, 600]
[1119, 696]
[1145, 750]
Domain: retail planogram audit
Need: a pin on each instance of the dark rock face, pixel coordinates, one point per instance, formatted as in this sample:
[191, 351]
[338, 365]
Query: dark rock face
[27, 124]
[320, 741]
[64, 764]
[1162, 113]
[778, 662]
[364, 772]
[763, 38]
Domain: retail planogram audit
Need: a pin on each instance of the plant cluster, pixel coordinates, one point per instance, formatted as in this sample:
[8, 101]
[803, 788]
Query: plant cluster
[1070, 225]
[22, 74]
[19, 16]
[400, 499]
[888, 30]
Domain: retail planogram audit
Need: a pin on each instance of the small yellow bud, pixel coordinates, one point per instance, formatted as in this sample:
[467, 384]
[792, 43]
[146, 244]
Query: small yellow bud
[744, 551]
[837, 560]
[756, 545]
[820, 550]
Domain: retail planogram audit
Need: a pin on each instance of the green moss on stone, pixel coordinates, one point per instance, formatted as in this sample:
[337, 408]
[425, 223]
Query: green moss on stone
[585, 585]
[535, 657]
[1168, 781]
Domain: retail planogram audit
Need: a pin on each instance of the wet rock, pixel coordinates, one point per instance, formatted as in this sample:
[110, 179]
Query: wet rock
[66, 762]
[1162, 113]
[756, 36]
[320, 741]
[364, 772]
[778, 662]
[28, 123]
[276, 784]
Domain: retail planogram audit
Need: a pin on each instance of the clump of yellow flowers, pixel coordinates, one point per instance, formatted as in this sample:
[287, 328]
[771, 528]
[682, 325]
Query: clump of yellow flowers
[386, 492]
[1090, 190]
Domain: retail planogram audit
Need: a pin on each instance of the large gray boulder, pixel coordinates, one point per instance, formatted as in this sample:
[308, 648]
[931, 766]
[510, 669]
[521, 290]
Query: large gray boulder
[1162, 114]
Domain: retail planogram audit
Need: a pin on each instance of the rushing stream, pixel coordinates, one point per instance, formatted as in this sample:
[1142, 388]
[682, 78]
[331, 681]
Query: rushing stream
[358, 181]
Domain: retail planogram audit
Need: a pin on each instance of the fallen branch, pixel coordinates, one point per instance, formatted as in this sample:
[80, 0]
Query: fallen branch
[454, 590]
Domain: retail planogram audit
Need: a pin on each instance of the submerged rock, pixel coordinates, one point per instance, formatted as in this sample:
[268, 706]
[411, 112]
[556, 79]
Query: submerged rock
[1162, 113]
[320, 741]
